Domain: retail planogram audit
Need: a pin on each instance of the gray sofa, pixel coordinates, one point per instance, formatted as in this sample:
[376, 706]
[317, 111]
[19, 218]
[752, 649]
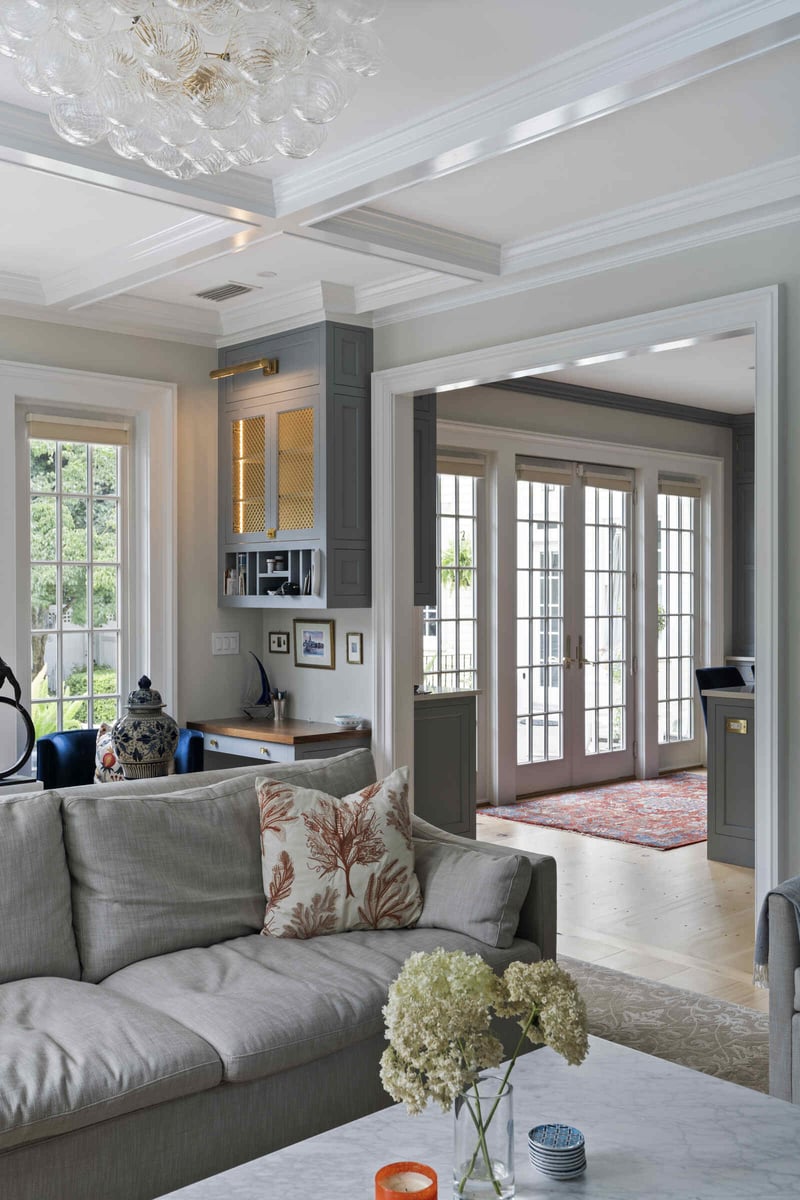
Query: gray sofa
[784, 1001]
[149, 1036]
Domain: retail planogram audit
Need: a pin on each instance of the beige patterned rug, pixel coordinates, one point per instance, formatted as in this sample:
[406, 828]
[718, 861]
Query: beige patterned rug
[695, 1031]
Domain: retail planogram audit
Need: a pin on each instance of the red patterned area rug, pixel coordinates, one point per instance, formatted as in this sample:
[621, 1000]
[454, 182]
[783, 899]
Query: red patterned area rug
[663, 813]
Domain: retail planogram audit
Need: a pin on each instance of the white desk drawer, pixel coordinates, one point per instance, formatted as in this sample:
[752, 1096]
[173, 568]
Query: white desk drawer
[249, 748]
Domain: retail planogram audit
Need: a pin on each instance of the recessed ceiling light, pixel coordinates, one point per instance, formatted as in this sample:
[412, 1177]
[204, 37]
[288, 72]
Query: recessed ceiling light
[267, 274]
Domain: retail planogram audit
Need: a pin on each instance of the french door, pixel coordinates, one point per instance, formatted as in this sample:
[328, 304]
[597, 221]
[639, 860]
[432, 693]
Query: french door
[575, 704]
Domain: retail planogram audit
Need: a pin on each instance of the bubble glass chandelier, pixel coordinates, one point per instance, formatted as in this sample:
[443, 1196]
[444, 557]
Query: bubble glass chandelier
[193, 87]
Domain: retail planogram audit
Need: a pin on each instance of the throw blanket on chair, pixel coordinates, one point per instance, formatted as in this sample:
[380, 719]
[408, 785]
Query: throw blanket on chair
[790, 890]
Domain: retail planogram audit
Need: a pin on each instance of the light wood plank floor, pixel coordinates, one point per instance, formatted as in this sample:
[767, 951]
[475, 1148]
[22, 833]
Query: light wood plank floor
[667, 915]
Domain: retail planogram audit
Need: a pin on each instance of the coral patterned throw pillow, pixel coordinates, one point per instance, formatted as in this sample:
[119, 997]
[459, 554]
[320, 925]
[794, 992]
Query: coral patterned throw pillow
[332, 864]
[106, 766]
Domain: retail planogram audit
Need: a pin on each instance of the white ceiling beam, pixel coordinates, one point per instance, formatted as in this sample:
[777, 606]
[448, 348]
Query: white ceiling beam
[28, 138]
[384, 235]
[661, 52]
[195, 240]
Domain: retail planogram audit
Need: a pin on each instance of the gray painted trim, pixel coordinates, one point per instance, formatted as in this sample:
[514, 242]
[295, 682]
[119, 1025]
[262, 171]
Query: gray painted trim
[621, 400]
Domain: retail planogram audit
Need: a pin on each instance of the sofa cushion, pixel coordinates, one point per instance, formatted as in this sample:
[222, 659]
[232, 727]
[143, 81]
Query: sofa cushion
[269, 1004]
[332, 863]
[71, 1055]
[36, 935]
[471, 893]
[159, 871]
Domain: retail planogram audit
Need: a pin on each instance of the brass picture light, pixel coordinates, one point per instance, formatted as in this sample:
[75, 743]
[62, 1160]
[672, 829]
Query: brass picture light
[267, 366]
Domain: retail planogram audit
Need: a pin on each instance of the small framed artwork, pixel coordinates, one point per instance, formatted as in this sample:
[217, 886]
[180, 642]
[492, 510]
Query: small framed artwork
[355, 648]
[279, 643]
[314, 644]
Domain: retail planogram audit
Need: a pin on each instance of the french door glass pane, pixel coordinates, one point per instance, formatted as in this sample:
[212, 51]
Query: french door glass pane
[540, 621]
[676, 589]
[605, 618]
[449, 640]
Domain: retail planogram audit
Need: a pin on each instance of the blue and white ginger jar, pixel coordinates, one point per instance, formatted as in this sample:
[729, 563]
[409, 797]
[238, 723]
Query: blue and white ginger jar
[144, 740]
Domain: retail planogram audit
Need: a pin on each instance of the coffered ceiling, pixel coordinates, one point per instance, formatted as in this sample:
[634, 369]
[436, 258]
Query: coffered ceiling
[502, 146]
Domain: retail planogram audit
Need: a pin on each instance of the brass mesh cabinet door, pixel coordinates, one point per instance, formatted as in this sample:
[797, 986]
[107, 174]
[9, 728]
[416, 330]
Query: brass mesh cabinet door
[296, 469]
[248, 477]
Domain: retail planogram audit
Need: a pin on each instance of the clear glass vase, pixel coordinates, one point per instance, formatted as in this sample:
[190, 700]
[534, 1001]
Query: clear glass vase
[483, 1165]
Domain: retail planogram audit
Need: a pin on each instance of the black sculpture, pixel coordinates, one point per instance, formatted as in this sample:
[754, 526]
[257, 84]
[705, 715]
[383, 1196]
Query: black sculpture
[8, 676]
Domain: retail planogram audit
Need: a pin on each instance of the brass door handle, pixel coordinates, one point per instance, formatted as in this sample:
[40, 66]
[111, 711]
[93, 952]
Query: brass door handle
[566, 661]
[583, 661]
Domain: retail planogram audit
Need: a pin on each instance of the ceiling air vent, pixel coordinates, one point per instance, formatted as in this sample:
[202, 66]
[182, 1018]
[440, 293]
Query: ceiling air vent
[225, 291]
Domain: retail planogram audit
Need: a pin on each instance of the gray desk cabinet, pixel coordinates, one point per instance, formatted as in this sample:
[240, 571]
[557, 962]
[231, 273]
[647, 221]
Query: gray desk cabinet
[731, 780]
[445, 776]
[294, 470]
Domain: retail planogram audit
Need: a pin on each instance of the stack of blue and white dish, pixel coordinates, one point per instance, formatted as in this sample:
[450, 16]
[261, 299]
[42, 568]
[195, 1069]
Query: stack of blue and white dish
[558, 1151]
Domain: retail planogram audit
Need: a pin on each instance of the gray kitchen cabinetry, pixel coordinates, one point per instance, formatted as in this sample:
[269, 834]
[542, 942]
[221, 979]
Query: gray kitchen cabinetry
[731, 779]
[425, 500]
[294, 471]
[445, 775]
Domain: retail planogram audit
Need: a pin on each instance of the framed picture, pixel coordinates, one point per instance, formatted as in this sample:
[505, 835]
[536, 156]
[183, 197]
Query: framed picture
[314, 644]
[355, 648]
[279, 643]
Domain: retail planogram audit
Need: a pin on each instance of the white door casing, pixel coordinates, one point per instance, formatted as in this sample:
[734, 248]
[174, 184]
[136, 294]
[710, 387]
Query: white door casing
[392, 397]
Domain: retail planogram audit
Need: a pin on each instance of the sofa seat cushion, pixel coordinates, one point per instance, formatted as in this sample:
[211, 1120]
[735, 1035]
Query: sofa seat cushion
[267, 1005]
[72, 1055]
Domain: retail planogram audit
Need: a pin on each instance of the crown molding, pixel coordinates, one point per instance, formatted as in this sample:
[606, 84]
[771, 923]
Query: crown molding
[263, 316]
[658, 53]
[130, 315]
[20, 289]
[389, 236]
[28, 138]
[750, 202]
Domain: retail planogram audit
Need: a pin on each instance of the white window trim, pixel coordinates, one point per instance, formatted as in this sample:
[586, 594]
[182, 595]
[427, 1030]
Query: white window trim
[151, 409]
[393, 389]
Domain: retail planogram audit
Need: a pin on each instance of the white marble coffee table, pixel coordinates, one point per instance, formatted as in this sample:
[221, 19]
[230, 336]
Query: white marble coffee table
[654, 1131]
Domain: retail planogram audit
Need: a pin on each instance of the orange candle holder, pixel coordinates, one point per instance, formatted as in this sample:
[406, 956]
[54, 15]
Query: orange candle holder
[398, 1180]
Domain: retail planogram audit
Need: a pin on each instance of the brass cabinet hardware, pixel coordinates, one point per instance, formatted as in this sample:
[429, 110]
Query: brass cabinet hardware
[263, 750]
[735, 725]
[213, 743]
[267, 366]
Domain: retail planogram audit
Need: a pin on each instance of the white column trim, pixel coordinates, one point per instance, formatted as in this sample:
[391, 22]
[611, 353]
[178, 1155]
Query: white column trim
[755, 311]
[151, 407]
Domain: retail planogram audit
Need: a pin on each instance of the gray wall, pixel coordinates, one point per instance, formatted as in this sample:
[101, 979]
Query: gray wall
[207, 686]
[729, 266]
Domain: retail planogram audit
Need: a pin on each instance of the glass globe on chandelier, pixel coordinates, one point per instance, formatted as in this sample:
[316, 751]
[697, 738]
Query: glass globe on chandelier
[193, 87]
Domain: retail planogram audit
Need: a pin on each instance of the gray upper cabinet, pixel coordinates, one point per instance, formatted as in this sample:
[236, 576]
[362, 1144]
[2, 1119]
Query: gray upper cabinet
[294, 471]
[425, 500]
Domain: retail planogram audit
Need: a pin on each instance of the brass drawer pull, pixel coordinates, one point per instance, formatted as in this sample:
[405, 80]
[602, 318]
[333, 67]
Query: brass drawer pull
[735, 725]
[213, 743]
[263, 750]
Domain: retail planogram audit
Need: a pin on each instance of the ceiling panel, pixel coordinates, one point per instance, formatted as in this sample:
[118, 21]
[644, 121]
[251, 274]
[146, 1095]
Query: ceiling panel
[296, 261]
[49, 223]
[716, 375]
[728, 122]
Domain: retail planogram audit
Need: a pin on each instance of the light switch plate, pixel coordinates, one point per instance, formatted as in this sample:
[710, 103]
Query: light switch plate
[225, 643]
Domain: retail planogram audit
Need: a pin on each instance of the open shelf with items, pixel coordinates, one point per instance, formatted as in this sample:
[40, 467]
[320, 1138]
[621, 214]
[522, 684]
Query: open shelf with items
[255, 578]
[294, 471]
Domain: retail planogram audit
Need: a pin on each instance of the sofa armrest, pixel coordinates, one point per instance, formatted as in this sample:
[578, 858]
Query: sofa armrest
[537, 918]
[784, 959]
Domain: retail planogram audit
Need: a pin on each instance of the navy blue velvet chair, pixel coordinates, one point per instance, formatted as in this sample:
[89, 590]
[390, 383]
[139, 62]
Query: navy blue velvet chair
[716, 677]
[67, 759]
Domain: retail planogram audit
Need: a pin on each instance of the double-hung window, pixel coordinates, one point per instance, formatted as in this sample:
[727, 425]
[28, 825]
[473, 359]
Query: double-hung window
[77, 518]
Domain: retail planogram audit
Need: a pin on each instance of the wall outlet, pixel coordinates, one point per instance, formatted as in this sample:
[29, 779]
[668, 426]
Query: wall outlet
[225, 643]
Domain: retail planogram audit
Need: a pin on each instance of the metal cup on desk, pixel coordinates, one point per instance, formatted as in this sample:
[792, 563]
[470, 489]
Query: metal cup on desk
[279, 702]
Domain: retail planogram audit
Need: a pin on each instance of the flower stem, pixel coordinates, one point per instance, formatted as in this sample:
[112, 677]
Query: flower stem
[481, 1128]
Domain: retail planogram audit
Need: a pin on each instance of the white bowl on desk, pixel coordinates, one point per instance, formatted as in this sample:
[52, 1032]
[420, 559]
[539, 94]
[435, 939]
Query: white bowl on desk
[347, 721]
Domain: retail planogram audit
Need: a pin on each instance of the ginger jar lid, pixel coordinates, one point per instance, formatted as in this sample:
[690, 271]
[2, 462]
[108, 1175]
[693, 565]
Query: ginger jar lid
[145, 696]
